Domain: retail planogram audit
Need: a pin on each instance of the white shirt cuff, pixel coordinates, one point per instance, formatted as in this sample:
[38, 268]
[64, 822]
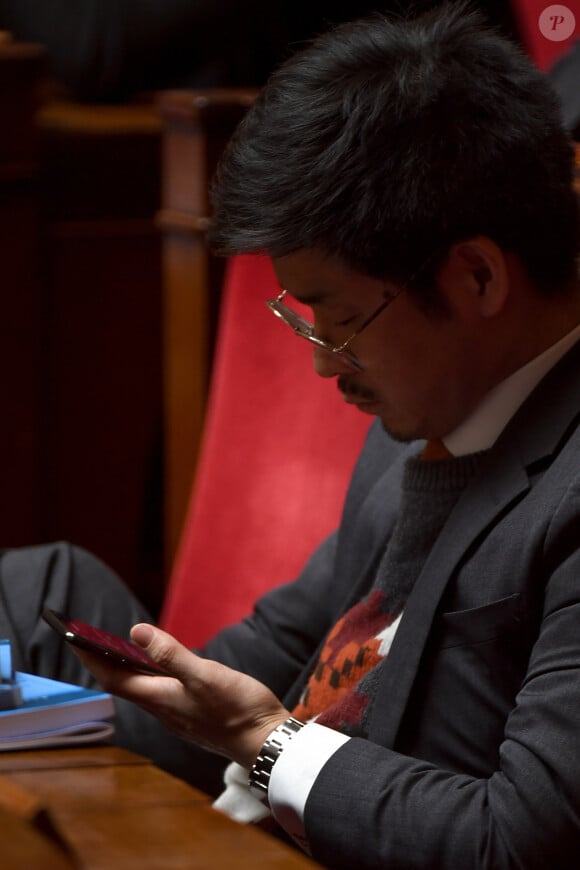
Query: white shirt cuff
[294, 774]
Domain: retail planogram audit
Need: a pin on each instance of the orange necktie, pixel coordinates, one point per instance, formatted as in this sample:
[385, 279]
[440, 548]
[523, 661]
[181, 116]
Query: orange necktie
[435, 450]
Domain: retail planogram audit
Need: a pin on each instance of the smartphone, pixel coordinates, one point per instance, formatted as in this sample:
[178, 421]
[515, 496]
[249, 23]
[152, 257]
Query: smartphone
[123, 653]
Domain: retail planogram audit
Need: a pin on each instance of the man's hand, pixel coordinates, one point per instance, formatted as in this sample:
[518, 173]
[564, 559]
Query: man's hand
[214, 706]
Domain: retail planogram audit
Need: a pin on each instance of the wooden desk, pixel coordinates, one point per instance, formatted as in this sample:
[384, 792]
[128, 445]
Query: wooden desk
[103, 807]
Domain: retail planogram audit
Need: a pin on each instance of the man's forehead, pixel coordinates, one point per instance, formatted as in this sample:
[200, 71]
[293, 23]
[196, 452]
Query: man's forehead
[314, 277]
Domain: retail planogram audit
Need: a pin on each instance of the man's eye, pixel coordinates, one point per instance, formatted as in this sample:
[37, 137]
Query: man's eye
[346, 321]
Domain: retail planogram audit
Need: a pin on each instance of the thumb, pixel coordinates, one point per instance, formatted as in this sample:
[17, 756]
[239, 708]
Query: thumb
[142, 634]
[163, 648]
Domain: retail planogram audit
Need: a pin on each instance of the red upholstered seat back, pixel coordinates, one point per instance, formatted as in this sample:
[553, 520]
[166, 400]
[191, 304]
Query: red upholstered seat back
[278, 450]
[542, 24]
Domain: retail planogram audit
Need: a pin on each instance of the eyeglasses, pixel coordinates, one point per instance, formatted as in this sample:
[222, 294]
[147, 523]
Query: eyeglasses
[305, 329]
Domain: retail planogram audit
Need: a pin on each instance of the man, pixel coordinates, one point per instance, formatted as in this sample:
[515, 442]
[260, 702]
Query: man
[412, 184]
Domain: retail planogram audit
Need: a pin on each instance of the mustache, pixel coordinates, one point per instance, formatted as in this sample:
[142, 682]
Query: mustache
[352, 390]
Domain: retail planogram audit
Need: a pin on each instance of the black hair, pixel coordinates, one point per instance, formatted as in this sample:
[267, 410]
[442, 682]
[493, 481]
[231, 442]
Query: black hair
[385, 141]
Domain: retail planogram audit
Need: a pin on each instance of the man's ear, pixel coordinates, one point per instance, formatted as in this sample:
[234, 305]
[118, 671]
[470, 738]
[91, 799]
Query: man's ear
[474, 277]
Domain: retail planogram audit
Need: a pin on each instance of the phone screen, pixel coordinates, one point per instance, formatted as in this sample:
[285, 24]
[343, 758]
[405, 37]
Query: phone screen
[123, 653]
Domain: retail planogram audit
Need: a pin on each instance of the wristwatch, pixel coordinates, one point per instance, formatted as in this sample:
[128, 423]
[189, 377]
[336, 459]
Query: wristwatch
[270, 752]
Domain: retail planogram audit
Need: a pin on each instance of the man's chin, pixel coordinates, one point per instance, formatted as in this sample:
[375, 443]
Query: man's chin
[374, 408]
[367, 407]
[396, 433]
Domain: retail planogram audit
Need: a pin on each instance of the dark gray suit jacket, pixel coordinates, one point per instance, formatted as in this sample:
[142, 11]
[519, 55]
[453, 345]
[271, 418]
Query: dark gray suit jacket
[474, 751]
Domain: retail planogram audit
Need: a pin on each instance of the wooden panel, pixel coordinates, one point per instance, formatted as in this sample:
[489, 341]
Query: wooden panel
[101, 265]
[82, 327]
[80, 334]
[20, 325]
[20, 69]
[197, 124]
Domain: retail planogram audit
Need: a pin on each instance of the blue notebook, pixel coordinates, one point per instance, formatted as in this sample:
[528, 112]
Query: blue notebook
[53, 713]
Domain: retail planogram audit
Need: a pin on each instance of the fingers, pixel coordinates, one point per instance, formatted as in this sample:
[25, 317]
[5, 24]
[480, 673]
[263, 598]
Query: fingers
[201, 700]
[111, 676]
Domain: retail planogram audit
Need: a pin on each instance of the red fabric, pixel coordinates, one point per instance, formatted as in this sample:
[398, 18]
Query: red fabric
[278, 450]
[541, 48]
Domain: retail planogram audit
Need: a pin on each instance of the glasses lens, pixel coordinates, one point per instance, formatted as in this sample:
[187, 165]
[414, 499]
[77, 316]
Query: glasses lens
[304, 329]
[294, 320]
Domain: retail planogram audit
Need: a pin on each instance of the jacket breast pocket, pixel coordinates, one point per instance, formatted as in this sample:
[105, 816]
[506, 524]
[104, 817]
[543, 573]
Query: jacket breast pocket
[480, 624]
[470, 673]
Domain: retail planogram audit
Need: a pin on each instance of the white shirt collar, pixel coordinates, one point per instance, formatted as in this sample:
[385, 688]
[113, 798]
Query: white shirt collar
[487, 422]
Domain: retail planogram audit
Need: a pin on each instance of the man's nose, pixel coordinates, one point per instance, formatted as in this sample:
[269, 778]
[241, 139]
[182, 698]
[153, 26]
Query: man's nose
[328, 364]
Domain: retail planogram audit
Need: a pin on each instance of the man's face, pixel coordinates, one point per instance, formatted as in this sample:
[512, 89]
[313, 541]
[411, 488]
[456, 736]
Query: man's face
[422, 372]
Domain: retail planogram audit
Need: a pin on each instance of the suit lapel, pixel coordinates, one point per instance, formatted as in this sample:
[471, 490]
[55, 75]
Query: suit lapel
[532, 435]
[474, 511]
